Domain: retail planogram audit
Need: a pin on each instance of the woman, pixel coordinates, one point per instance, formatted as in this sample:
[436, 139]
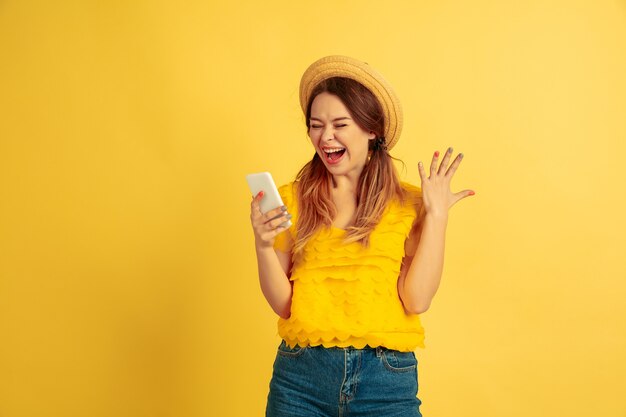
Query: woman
[362, 259]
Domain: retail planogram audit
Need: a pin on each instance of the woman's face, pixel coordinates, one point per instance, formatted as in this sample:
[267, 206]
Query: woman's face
[338, 140]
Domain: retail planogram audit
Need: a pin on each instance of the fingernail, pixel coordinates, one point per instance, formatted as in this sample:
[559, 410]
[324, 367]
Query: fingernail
[460, 155]
[283, 208]
[260, 193]
[436, 153]
[288, 216]
[450, 150]
[472, 193]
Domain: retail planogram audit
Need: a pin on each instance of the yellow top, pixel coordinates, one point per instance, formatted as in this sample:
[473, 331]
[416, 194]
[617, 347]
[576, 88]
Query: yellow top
[345, 294]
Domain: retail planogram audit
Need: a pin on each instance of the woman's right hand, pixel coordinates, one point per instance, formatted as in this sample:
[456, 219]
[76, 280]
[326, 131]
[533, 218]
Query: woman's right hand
[267, 226]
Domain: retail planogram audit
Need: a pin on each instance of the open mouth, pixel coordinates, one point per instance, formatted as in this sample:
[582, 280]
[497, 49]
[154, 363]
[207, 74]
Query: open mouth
[334, 155]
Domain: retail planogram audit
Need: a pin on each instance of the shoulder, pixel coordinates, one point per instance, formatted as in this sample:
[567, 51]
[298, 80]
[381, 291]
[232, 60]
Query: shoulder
[287, 187]
[410, 188]
[412, 193]
[284, 241]
[413, 199]
[288, 192]
[415, 204]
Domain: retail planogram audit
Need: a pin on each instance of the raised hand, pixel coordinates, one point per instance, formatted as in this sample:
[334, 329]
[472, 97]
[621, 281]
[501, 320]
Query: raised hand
[436, 193]
[267, 226]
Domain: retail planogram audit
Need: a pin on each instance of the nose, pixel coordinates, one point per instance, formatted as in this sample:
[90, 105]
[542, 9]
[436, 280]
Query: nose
[328, 133]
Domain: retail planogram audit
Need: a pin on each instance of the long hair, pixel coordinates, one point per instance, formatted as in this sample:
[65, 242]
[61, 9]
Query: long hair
[378, 183]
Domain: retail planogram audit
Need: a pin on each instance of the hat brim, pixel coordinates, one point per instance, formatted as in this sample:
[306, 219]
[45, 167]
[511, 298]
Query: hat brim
[344, 66]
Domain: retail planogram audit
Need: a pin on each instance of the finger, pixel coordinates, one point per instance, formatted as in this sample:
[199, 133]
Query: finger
[455, 165]
[433, 163]
[279, 230]
[462, 194]
[255, 214]
[255, 208]
[420, 168]
[256, 199]
[272, 233]
[272, 214]
[444, 162]
[278, 221]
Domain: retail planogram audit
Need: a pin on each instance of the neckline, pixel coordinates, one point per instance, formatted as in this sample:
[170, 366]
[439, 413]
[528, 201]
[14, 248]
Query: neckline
[338, 229]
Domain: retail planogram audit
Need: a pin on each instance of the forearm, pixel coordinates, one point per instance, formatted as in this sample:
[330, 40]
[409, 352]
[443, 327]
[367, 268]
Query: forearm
[424, 274]
[275, 284]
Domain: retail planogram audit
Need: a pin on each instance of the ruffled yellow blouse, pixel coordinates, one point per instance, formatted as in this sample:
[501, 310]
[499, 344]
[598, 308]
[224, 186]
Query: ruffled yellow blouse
[345, 294]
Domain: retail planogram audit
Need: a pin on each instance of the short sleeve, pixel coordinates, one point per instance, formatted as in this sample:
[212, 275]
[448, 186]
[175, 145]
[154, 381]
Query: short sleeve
[284, 241]
[414, 199]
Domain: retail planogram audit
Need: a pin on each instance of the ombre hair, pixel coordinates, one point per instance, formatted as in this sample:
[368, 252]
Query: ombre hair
[378, 183]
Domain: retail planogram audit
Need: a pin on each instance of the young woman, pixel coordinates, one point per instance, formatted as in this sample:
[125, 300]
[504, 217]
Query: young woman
[362, 259]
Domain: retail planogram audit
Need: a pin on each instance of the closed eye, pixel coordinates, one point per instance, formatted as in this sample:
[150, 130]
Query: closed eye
[319, 127]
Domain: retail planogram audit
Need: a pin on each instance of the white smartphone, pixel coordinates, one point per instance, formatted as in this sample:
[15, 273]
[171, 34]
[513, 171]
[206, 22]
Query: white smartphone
[263, 181]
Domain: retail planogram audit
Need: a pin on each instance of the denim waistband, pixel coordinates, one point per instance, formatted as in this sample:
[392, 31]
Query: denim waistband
[378, 349]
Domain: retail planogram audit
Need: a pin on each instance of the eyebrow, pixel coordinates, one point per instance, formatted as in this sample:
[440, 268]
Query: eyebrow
[334, 120]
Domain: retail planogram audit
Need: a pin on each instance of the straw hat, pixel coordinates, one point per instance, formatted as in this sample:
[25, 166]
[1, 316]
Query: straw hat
[344, 66]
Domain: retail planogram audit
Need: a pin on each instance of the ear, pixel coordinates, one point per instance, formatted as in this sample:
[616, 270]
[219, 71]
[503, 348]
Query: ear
[372, 135]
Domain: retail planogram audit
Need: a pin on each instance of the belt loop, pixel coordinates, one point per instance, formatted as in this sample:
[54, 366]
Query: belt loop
[378, 351]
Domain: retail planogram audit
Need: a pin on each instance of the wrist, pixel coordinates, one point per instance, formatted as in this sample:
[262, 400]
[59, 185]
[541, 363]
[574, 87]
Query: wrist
[263, 246]
[441, 217]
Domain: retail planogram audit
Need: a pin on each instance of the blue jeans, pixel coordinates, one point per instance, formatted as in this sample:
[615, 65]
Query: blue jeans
[343, 382]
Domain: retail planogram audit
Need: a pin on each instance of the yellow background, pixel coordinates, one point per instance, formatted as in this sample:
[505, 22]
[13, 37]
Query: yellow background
[128, 281]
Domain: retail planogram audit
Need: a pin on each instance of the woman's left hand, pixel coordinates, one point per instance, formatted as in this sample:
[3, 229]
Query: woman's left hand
[436, 192]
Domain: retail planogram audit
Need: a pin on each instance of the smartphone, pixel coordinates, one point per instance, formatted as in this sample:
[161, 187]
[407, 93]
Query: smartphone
[263, 181]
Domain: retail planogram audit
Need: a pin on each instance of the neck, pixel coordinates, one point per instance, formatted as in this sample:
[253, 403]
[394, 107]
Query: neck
[346, 183]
